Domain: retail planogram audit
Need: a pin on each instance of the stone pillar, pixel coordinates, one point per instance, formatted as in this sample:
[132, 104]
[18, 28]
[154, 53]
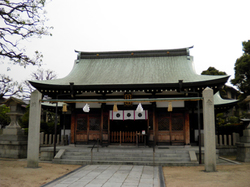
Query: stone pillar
[209, 130]
[34, 130]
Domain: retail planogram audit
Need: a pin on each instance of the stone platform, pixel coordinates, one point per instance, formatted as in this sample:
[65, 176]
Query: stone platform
[164, 155]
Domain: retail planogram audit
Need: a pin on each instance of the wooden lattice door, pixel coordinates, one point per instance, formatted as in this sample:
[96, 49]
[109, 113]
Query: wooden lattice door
[171, 128]
[177, 128]
[81, 128]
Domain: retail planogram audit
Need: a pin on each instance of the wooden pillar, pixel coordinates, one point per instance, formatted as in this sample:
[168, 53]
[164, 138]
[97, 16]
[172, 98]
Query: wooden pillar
[154, 122]
[187, 128]
[73, 129]
[108, 130]
[87, 128]
[101, 128]
[170, 129]
[148, 134]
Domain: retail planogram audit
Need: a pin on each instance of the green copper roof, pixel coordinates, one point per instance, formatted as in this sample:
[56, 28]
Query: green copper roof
[133, 69]
[219, 101]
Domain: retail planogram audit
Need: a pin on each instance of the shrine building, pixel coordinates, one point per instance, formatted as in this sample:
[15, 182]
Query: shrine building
[144, 97]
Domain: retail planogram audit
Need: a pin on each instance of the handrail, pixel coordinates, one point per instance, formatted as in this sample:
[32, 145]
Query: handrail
[97, 141]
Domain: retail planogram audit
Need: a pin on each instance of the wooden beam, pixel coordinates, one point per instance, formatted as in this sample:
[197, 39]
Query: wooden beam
[187, 128]
[122, 100]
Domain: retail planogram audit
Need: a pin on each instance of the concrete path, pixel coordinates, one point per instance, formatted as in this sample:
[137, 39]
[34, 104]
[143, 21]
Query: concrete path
[110, 176]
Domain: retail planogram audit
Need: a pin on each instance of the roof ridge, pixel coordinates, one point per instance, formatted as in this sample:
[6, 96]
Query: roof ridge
[133, 53]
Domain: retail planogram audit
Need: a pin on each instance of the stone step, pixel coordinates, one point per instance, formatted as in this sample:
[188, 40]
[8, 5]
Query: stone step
[127, 154]
[126, 158]
[151, 163]
[128, 150]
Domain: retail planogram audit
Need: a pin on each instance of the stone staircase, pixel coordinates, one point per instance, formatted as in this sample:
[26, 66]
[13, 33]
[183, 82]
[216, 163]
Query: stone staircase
[127, 155]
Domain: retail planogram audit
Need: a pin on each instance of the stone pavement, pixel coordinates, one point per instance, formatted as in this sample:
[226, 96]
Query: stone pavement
[110, 176]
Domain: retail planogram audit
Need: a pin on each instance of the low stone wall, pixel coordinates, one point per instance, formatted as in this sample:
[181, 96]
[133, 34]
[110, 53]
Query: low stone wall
[225, 144]
[227, 150]
[13, 149]
[202, 156]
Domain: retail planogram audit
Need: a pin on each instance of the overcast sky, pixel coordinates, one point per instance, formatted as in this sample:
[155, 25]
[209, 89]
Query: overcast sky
[216, 29]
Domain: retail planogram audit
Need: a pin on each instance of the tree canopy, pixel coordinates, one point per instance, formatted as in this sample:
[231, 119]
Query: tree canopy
[21, 20]
[242, 71]
[213, 71]
[4, 118]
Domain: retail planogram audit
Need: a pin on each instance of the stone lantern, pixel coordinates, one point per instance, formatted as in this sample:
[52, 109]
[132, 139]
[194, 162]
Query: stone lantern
[13, 142]
[243, 147]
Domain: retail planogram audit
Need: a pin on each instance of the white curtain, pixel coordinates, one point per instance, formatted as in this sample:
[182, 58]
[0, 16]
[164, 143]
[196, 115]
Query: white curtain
[116, 115]
[128, 115]
[141, 115]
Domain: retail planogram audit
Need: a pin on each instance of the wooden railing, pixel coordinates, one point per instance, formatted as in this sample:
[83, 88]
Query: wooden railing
[126, 137]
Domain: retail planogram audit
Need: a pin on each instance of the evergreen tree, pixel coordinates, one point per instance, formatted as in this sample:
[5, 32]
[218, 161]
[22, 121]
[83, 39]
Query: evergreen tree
[242, 71]
[213, 71]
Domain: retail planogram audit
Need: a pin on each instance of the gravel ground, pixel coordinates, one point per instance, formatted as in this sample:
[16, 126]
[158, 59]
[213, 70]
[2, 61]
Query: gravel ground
[13, 172]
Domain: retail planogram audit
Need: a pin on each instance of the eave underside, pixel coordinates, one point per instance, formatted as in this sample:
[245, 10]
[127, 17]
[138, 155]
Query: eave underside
[52, 90]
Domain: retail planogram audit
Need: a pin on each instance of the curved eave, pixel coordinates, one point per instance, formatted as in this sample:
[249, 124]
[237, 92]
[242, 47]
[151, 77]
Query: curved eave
[109, 87]
[47, 104]
[18, 101]
[52, 106]
[219, 102]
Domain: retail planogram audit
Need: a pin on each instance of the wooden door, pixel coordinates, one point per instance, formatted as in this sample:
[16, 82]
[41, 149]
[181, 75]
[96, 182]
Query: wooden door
[94, 127]
[87, 127]
[177, 128]
[164, 130]
[171, 128]
[81, 134]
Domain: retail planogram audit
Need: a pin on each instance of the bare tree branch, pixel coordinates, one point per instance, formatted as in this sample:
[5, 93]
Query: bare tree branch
[22, 20]
[8, 87]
